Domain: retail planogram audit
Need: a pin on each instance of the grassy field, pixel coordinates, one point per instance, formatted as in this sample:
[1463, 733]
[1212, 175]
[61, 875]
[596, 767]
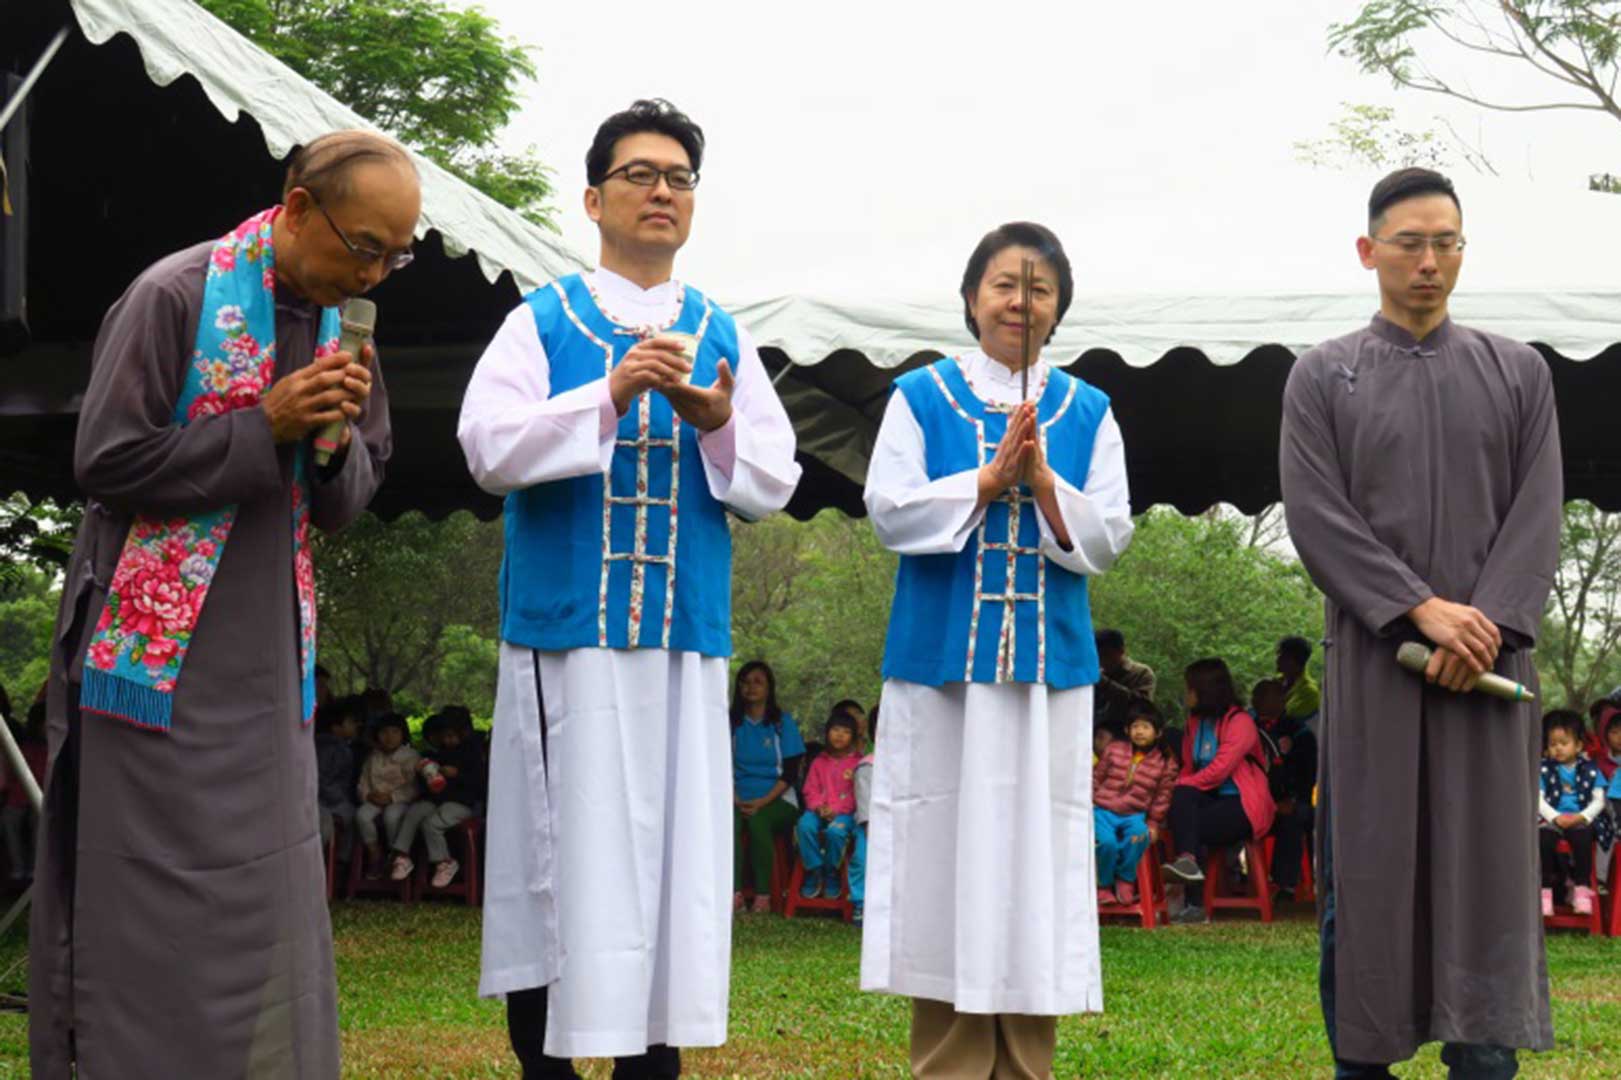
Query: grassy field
[1231, 1000]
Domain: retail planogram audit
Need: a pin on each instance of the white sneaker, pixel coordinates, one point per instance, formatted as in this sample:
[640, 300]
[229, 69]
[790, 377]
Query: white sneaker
[402, 868]
[445, 872]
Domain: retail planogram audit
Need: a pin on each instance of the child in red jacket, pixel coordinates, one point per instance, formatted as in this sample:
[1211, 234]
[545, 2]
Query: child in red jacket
[1131, 789]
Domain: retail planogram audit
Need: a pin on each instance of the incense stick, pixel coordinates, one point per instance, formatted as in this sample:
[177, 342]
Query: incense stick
[1027, 271]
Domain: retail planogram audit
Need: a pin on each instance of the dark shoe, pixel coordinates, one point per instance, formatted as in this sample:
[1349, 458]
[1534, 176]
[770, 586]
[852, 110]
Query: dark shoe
[1283, 894]
[1189, 915]
[1186, 870]
[812, 885]
[832, 889]
[856, 914]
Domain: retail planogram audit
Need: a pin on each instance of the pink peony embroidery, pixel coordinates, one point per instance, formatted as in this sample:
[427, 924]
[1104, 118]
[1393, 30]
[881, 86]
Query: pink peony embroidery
[159, 651]
[207, 405]
[103, 655]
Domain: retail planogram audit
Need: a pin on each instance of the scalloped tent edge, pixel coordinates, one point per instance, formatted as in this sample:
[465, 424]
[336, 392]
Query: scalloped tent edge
[177, 37]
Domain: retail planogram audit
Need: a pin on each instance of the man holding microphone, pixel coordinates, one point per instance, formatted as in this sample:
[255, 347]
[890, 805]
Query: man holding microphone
[1422, 482]
[179, 925]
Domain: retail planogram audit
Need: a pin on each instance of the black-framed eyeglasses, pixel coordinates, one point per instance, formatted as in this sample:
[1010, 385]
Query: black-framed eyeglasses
[646, 174]
[1413, 244]
[395, 260]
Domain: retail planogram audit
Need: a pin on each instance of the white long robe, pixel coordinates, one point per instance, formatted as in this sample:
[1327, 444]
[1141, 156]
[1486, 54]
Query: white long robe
[981, 888]
[610, 850]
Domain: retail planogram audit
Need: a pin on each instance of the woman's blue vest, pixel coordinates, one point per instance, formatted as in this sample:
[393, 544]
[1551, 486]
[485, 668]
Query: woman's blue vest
[640, 558]
[998, 610]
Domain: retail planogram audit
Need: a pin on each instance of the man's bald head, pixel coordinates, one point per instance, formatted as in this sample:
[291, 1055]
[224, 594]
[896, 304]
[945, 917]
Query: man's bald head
[349, 212]
[325, 165]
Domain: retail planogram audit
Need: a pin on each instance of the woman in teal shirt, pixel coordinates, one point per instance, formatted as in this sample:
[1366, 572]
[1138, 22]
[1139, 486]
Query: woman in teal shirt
[766, 752]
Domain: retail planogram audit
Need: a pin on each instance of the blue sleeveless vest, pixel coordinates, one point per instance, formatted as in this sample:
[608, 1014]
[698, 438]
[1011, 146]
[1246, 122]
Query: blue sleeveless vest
[640, 558]
[998, 610]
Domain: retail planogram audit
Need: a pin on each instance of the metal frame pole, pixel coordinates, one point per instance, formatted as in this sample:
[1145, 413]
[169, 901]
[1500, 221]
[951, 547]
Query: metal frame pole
[10, 108]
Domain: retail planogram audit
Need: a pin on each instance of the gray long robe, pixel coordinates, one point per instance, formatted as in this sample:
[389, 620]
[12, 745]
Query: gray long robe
[1409, 470]
[179, 926]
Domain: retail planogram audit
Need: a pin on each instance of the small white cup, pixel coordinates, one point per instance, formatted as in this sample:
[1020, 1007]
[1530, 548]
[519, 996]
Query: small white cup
[689, 348]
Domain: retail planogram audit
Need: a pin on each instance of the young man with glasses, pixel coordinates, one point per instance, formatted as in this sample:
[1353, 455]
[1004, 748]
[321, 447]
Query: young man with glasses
[178, 926]
[622, 414]
[1422, 483]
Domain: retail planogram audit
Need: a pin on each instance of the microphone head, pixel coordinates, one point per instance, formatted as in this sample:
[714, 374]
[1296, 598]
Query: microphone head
[359, 315]
[1413, 656]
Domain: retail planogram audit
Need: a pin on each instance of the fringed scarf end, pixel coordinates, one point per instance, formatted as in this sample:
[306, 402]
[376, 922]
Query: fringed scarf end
[121, 699]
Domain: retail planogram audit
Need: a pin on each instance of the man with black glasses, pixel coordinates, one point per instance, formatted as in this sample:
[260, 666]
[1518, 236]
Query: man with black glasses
[1422, 482]
[622, 414]
[179, 925]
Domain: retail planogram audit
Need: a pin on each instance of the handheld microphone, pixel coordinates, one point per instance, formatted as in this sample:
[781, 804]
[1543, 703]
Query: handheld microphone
[359, 322]
[1416, 657]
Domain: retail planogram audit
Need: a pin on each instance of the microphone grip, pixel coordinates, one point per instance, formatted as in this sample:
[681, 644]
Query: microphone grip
[1415, 658]
[359, 319]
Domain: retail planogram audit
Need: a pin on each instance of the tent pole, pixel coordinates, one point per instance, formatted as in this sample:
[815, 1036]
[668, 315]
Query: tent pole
[779, 376]
[45, 58]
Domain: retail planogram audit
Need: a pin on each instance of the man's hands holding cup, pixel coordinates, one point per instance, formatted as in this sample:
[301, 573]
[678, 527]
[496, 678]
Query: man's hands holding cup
[664, 364]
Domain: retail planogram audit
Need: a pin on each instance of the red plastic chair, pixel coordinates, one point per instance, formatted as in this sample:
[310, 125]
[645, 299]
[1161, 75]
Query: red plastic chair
[843, 905]
[1564, 918]
[404, 891]
[1615, 895]
[1259, 897]
[1150, 909]
[468, 879]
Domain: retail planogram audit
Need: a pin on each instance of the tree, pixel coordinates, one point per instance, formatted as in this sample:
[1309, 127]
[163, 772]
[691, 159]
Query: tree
[36, 537]
[389, 594]
[1580, 648]
[1368, 135]
[1573, 42]
[1193, 587]
[27, 615]
[812, 599]
[444, 81]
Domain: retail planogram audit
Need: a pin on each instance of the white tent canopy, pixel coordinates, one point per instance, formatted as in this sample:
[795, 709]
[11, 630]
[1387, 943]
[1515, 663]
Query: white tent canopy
[177, 37]
[1223, 261]
[1224, 264]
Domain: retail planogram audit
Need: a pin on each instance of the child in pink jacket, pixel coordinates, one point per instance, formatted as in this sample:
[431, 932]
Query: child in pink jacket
[830, 804]
[1131, 789]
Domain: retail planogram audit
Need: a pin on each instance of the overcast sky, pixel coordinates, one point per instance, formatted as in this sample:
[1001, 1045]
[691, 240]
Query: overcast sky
[903, 122]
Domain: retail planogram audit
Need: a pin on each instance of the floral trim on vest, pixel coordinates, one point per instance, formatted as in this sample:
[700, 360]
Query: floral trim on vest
[167, 564]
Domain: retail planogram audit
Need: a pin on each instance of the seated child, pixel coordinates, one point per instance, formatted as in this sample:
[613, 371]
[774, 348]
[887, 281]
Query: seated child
[451, 769]
[830, 801]
[388, 786]
[1131, 787]
[336, 725]
[1572, 809]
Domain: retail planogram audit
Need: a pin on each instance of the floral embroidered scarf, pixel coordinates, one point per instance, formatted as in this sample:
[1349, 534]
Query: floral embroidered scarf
[167, 564]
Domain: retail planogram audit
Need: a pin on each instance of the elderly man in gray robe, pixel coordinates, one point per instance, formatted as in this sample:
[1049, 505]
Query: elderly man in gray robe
[1422, 482]
[179, 926]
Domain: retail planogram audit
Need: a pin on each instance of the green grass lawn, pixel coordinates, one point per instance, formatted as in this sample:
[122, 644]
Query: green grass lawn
[1235, 999]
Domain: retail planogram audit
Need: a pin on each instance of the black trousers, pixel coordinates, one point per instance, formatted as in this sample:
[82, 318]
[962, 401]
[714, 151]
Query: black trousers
[526, 1027]
[1291, 831]
[1581, 855]
[1202, 819]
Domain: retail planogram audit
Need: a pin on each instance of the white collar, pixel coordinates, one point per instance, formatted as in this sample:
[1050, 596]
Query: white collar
[994, 383]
